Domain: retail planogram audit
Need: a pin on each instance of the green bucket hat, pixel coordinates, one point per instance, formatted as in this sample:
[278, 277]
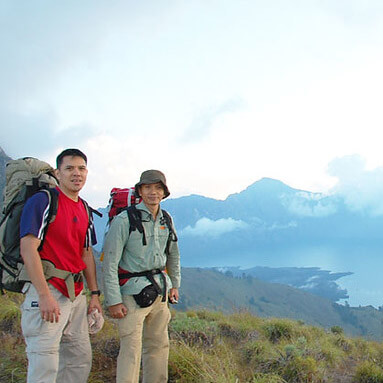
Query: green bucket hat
[152, 177]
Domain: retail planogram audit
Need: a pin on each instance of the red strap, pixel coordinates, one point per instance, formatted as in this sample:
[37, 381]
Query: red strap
[122, 271]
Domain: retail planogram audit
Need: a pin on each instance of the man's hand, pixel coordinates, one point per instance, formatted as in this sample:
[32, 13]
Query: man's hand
[49, 308]
[118, 311]
[173, 295]
[94, 304]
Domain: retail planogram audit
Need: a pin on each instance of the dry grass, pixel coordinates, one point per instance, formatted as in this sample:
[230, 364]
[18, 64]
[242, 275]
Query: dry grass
[213, 347]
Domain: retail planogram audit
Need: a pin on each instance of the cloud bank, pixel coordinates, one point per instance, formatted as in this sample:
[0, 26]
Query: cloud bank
[207, 227]
[307, 204]
[361, 188]
[260, 89]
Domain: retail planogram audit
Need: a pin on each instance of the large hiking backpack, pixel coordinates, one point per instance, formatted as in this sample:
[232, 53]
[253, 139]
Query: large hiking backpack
[24, 177]
[120, 199]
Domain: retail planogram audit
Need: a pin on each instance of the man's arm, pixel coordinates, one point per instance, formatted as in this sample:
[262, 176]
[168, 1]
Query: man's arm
[174, 271]
[91, 279]
[114, 243]
[49, 308]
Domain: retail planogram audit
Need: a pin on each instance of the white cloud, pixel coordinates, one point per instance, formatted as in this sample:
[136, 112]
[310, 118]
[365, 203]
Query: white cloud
[361, 188]
[278, 226]
[203, 123]
[307, 204]
[208, 227]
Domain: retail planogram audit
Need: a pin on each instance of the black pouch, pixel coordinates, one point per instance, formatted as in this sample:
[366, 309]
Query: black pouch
[147, 296]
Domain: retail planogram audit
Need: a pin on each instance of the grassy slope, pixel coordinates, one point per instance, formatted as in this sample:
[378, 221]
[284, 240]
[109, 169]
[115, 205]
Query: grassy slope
[214, 347]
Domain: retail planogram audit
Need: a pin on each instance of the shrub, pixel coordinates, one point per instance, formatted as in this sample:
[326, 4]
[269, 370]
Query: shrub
[344, 343]
[325, 350]
[193, 330]
[368, 372]
[337, 330]
[277, 329]
[291, 350]
[185, 322]
[10, 312]
[368, 350]
[231, 331]
[189, 364]
[300, 370]
[240, 326]
[210, 316]
[257, 354]
[267, 378]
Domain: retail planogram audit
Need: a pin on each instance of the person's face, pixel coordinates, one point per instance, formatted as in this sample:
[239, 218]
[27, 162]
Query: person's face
[72, 175]
[152, 194]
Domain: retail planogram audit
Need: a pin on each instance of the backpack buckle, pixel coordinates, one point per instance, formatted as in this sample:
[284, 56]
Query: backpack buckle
[77, 277]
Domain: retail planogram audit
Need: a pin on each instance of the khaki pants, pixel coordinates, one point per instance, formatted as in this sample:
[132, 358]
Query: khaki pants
[145, 328]
[57, 352]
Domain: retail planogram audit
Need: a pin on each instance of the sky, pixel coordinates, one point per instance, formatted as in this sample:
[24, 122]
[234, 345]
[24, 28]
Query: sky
[215, 93]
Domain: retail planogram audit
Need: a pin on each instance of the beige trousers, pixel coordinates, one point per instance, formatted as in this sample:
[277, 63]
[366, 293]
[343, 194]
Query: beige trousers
[57, 352]
[143, 329]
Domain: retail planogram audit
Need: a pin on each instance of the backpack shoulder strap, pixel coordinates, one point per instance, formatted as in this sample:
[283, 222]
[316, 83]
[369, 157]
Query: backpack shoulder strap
[135, 222]
[53, 202]
[90, 235]
[172, 233]
[169, 223]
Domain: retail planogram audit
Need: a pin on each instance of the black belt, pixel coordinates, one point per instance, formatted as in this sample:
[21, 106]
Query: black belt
[150, 275]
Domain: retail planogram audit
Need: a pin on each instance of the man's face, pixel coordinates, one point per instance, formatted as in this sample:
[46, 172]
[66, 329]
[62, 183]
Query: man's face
[152, 194]
[72, 175]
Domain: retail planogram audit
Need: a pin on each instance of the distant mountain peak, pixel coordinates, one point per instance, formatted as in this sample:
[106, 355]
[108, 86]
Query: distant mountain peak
[269, 182]
[264, 186]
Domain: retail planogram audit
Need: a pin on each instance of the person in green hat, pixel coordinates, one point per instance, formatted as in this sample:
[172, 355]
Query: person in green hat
[141, 274]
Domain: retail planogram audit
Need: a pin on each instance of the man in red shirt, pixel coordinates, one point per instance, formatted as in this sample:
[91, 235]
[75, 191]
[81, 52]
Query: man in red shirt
[54, 312]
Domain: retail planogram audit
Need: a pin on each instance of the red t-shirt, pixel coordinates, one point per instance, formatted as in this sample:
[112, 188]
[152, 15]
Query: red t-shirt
[65, 237]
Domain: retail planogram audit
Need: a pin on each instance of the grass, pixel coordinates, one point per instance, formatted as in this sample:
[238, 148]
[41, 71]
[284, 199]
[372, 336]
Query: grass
[211, 347]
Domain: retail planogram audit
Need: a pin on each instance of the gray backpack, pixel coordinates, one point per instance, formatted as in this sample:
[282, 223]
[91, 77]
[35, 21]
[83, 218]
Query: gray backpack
[24, 177]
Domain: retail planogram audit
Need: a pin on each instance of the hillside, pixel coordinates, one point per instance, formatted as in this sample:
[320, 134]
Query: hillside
[209, 289]
[210, 347]
[311, 279]
[212, 290]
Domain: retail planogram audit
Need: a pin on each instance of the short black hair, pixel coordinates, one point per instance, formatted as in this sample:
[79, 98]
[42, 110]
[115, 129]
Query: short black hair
[72, 153]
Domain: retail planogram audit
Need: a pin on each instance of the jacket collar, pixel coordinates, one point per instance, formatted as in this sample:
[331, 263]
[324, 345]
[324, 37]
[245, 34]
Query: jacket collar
[141, 206]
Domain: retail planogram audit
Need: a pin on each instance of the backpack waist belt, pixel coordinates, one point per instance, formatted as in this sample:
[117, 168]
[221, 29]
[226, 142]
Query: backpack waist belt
[150, 275]
[70, 278]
